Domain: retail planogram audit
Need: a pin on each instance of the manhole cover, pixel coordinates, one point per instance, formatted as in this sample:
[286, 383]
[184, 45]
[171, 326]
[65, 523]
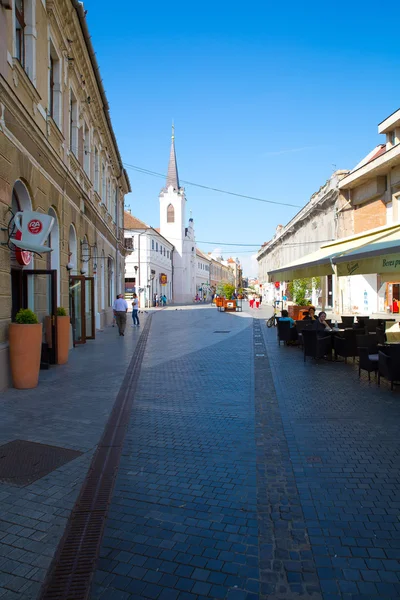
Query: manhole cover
[221, 331]
[22, 462]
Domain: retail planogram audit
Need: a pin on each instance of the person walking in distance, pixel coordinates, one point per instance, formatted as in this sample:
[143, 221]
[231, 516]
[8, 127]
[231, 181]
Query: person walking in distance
[135, 308]
[120, 308]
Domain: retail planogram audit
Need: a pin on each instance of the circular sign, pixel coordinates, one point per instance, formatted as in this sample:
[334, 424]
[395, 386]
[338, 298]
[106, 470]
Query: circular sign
[277, 285]
[35, 226]
[23, 257]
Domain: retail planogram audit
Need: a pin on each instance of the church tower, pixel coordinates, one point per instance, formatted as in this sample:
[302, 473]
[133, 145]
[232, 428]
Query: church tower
[173, 227]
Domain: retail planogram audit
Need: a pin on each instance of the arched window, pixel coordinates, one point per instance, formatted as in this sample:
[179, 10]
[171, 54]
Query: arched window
[170, 214]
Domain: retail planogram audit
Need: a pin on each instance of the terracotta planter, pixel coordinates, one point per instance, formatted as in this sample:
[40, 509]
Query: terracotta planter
[25, 352]
[296, 312]
[219, 302]
[63, 327]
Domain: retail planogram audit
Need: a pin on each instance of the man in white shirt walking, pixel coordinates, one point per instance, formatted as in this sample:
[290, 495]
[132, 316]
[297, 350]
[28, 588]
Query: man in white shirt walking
[120, 308]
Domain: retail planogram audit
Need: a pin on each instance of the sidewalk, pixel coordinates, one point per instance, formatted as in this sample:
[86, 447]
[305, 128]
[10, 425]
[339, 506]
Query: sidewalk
[68, 409]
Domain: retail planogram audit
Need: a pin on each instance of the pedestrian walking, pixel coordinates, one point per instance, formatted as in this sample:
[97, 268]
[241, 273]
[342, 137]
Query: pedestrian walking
[251, 301]
[135, 308]
[257, 301]
[157, 300]
[120, 308]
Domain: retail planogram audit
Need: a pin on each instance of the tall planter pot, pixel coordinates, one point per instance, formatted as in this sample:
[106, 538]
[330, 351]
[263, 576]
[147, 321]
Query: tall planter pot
[63, 327]
[296, 312]
[25, 352]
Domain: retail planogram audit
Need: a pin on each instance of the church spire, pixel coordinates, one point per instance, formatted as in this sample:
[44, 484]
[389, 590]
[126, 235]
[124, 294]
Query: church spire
[172, 175]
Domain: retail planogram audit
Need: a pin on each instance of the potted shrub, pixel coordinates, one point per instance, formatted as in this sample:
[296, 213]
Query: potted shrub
[63, 327]
[25, 339]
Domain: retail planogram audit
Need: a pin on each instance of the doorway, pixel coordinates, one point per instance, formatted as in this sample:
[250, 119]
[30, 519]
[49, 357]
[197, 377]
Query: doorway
[37, 290]
[81, 309]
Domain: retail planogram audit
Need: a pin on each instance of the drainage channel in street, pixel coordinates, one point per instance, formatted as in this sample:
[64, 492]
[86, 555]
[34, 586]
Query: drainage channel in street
[71, 572]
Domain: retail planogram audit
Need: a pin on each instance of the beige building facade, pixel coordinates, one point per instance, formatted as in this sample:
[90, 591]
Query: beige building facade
[58, 156]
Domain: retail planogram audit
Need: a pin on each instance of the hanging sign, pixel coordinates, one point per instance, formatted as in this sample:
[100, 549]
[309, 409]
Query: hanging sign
[23, 257]
[163, 279]
[32, 231]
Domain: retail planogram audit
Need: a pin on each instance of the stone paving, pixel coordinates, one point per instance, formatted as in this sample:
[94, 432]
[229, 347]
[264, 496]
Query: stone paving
[343, 436]
[246, 473]
[69, 409]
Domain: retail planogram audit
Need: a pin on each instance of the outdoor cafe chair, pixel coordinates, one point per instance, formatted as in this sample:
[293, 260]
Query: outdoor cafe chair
[283, 331]
[380, 336]
[371, 325]
[389, 366]
[300, 326]
[315, 346]
[367, 353]
[347, 321]
[345, 345]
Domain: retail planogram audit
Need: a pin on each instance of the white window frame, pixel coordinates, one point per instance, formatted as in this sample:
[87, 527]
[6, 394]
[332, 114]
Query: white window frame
[55, 91]
[86, 148]
[29, 37]
[96, 170]
[73, 123]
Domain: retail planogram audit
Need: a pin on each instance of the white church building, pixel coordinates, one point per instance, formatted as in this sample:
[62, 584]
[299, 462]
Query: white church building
[143, 270]
[179, 232]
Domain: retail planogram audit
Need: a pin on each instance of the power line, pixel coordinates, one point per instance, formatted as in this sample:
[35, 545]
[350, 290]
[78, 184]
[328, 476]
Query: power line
[207, 187]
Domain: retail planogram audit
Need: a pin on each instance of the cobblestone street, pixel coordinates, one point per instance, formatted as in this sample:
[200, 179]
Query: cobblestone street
[245, 473]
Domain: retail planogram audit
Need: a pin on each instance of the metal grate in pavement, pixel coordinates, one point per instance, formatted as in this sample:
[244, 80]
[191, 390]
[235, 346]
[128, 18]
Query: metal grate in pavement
[23, 462]
[70, 575]
[221, 332]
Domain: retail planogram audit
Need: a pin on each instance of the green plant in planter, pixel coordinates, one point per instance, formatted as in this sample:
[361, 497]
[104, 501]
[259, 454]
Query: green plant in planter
[61, 312]
[25, 316]
[299, 290]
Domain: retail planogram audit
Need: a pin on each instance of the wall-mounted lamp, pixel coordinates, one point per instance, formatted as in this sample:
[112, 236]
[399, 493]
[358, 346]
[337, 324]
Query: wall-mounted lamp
[70, 266]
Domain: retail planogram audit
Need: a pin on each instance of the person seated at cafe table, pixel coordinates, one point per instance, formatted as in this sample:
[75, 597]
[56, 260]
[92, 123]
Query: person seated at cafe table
[293, 330]
[310, 315]
[320, 325]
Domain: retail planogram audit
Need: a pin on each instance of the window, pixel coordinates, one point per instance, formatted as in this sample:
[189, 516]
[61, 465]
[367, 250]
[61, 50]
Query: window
[156, 246]
[108, 199]
[170, 214]
[392, 137]
[167, 253]
[20, 31]
[152, 244]
[86, 149]
[164, 251]
[129, 243]
[103, 183]
[160, 249]
[96, 170]
[55, 96]
[73, 124]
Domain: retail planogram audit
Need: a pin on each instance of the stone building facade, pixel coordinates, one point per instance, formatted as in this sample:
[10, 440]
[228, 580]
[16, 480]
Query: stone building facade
[371, 193]
[319, 221]
[58, 156]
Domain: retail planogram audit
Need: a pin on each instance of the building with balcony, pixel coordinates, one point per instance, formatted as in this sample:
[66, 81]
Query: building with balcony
[59, 156]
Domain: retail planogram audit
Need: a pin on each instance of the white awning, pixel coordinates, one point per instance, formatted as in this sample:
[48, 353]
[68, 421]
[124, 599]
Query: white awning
[322, 261]
[381, 255]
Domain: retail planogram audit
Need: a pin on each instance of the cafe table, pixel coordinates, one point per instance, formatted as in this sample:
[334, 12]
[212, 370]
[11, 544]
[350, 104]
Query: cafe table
[393, 333]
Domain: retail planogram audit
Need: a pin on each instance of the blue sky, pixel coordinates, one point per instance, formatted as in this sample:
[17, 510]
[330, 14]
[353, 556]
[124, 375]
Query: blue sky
[268, 100]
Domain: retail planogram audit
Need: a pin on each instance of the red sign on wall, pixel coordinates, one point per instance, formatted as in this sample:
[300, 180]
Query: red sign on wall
[277, 285]
[35, 226]
[23, 256]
